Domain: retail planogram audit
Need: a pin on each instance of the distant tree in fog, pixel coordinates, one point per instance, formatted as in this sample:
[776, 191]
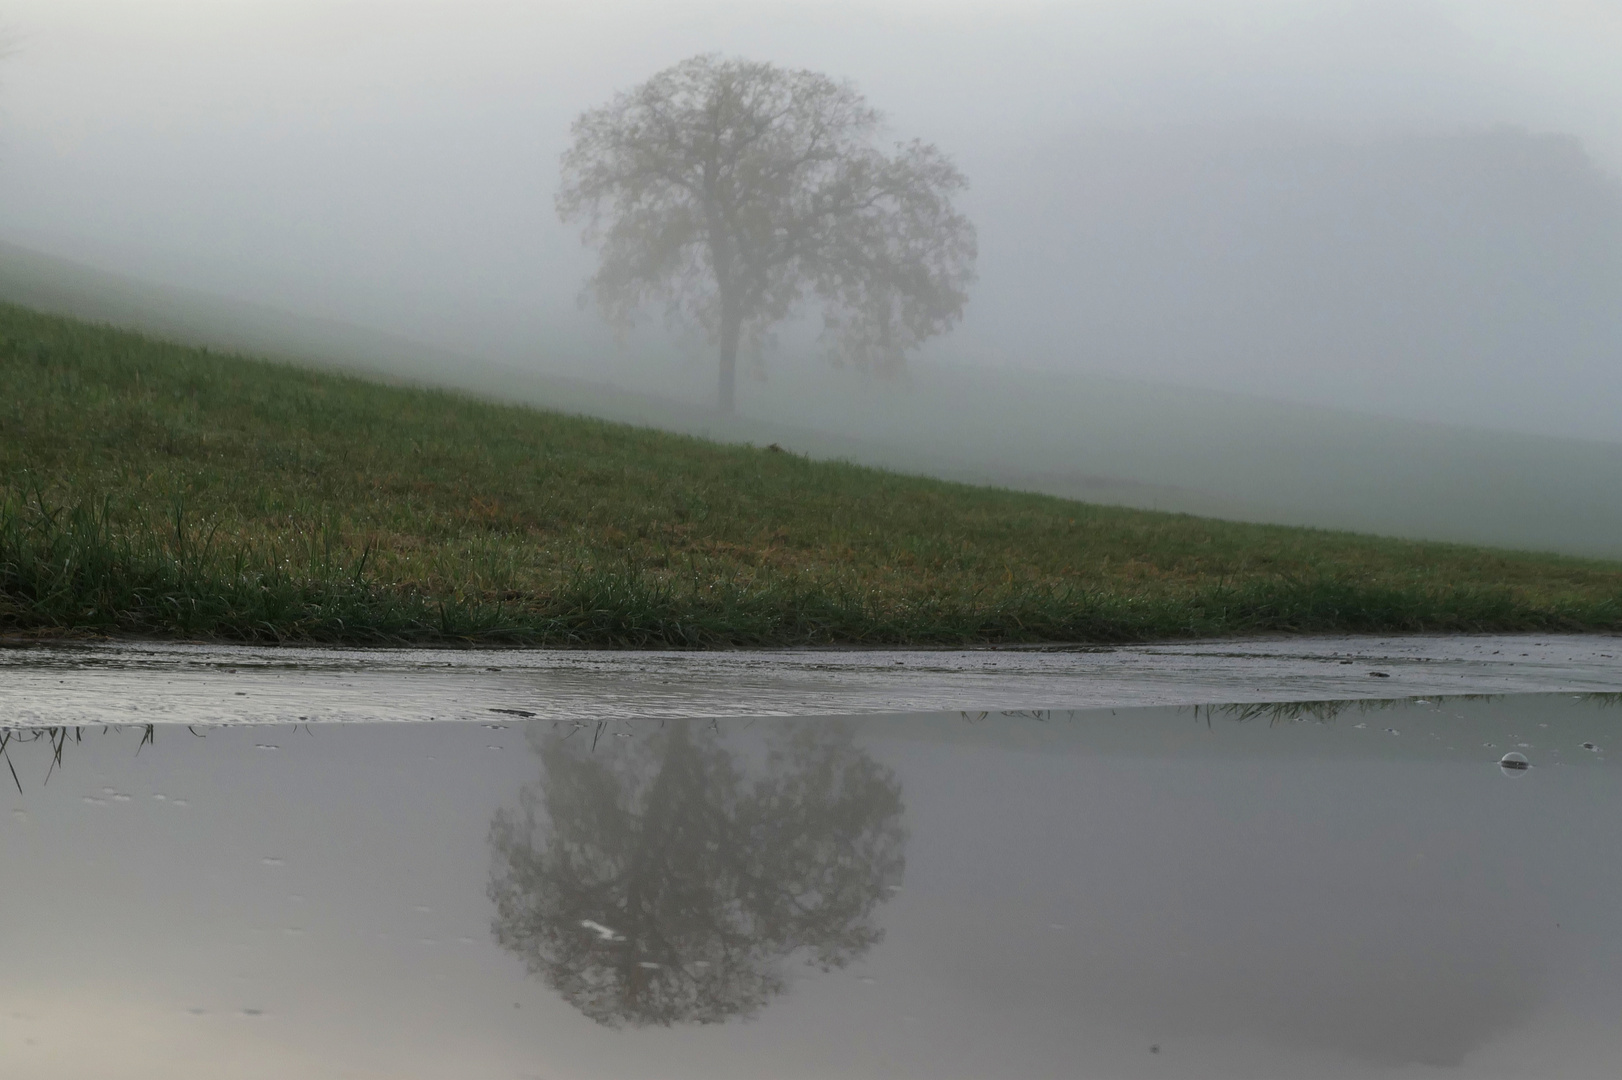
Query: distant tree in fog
[732, 191]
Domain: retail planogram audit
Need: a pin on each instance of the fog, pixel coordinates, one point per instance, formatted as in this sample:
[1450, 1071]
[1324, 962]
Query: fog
[1407, 209]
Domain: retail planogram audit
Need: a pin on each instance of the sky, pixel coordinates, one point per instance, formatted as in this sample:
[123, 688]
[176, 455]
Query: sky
[393, 164]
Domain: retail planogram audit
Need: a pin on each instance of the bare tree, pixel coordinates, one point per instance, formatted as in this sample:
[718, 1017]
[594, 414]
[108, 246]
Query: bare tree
[733, 191]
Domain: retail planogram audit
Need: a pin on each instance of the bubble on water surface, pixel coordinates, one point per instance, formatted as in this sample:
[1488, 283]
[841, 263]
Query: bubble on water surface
[1513, 763]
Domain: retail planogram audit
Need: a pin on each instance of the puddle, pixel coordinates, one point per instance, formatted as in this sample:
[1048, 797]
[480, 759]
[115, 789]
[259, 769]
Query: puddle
[1238, 891]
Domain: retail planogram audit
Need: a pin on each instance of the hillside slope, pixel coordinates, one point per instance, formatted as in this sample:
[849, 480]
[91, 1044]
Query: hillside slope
[1104, 440]
[157, 488]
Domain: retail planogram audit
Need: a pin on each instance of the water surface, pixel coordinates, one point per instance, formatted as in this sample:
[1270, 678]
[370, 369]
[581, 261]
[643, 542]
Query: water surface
[147, 682]
[1352, 889]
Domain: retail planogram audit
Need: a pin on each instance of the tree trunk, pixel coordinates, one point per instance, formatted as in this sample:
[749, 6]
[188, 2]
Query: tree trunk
[727, 397]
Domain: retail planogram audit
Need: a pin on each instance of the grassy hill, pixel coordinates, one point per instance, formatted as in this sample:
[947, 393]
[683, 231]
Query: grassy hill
[153, 488]
[1077, 435]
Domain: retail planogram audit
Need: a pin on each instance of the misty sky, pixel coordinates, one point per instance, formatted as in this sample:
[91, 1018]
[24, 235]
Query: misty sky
[393, 163]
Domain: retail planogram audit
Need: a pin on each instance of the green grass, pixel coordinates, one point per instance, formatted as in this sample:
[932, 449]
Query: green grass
[150, 488]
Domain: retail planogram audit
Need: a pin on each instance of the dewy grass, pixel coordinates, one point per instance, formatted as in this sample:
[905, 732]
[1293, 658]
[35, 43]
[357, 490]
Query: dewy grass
[148, 488]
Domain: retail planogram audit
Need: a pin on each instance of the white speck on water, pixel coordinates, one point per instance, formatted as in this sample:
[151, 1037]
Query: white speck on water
[649, 964]
[271, 860]
[604, 933]
[266, 746]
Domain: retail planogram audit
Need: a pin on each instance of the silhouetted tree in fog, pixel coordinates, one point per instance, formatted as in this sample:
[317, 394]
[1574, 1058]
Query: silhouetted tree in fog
[660, 881]
[732, 190]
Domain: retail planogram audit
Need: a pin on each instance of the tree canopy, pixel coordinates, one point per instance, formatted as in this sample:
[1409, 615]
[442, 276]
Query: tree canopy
[733, 191]
[661, 880]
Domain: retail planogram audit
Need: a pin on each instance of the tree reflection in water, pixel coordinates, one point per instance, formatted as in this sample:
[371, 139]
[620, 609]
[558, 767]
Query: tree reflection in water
[666, 878]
